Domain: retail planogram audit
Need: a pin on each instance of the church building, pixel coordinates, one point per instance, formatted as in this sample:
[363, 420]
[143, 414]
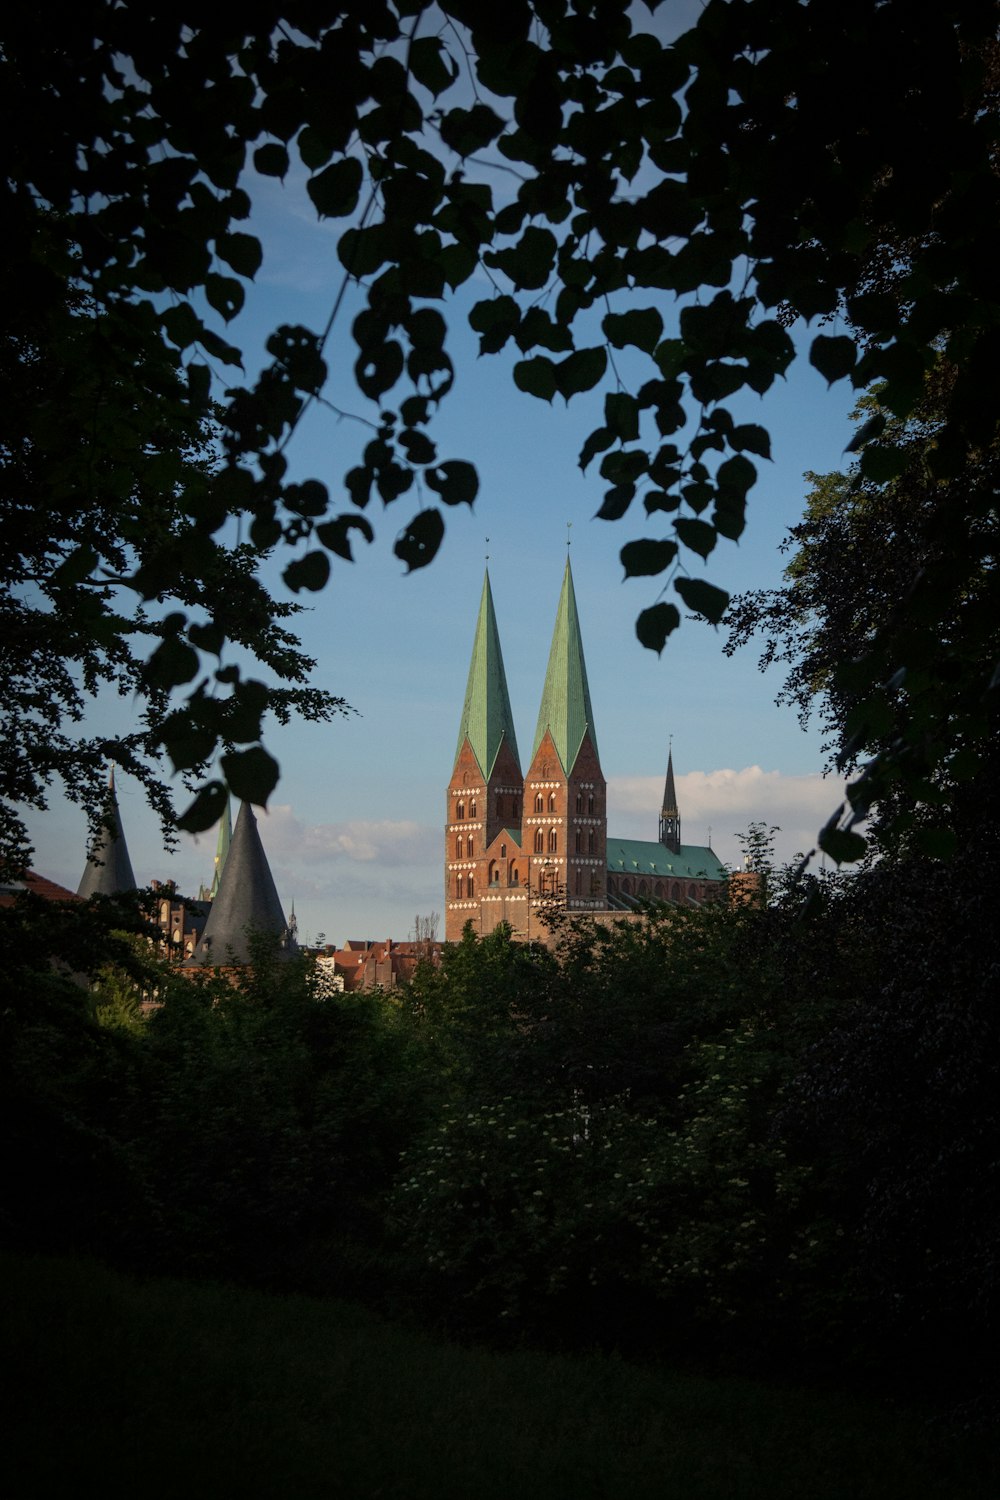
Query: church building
[517, 843]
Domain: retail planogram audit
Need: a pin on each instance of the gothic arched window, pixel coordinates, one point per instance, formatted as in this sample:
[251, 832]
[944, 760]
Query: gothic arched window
[590, 842]
[460, 811]
[577, 841]
[579, 802]
[470, 885]
[458, 847]
[472, 808]
[539, 841]
[539, 803]
[553, 841]
[468, 846]
[590, 803]
[552, 802]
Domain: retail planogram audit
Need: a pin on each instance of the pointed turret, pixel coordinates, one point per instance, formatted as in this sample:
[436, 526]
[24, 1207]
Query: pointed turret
[246, 900]
[486, 716]
[109, 869]
[670, 818]
[483, 821]
[222, 848]
[566, 711]
[565, 794]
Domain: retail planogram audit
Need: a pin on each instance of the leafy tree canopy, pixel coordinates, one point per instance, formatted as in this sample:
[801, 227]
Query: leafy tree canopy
[683, 201]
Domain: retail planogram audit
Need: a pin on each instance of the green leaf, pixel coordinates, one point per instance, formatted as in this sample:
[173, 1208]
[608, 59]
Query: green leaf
[872, 428]
[750, 438]
[335, 190]
[419, 543]
[188, 744]
[455, 481]
[172, 663]
[469, 130]
[78, 566]
[843, 845]
[206, 809]
[655, 624]
[736, 474]
[495, 319]
[833, 357]
[271, 160]
[698, 536]
[182, 325]
[225, 294]
[309, 572]
[616, 502]
[642, 327]
[597, 442]
[580, 371]
[336, 534]
[536, 377]
[241, 251]
[621, 416]
[252, 774]
[646, 558]
[704, 598]
[432, 65]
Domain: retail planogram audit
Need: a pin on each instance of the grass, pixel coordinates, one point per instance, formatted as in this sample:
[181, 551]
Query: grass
[166, 1388]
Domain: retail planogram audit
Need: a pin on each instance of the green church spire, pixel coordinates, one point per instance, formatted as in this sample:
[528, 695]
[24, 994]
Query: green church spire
[566, 711]
[486, 716]
[222, 848]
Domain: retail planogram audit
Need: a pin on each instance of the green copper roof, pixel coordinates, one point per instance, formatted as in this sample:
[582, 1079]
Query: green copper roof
[486, 716]
[639, 857]
[566, 710]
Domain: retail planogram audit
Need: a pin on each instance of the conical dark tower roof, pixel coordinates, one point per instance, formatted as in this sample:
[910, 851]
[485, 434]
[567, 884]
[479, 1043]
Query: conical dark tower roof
[109, 869]
[246, 899]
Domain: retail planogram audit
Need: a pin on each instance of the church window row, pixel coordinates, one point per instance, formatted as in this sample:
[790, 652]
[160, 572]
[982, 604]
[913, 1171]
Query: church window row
[579, 841]
[469, 882]
[469, 847]
[579, 802]
[553, 841]
[460, 811]
[514, 808]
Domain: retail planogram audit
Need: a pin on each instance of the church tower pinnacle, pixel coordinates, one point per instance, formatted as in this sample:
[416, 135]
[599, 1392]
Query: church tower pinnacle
[483, 818]
[565, 794]
[109, 869]
[670, 818]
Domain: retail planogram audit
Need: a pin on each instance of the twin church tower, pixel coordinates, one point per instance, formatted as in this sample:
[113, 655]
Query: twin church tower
[516, 843]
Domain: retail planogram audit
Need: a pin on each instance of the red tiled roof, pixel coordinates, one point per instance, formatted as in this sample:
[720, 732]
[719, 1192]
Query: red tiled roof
[38, 885]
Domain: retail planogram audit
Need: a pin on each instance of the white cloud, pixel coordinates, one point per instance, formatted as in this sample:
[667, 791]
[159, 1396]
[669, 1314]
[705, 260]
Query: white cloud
[385, 842]
[727, 801]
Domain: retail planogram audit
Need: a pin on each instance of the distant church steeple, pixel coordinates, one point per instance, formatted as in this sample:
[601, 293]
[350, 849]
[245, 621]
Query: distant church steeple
[247, 899]
[670, 818]
[486, 787]
[565, 710]
[222, 848]
[109, 869]
[486, 716]
[565, 794]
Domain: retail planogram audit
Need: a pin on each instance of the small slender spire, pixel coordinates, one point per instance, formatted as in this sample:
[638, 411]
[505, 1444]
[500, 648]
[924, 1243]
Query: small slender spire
[670, 818]
[109, 869]
[565, 709]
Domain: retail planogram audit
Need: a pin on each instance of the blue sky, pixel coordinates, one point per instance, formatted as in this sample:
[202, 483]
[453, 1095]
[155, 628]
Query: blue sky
[354, 832]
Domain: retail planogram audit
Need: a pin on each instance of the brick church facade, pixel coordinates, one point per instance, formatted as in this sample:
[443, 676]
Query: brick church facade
[515, 844]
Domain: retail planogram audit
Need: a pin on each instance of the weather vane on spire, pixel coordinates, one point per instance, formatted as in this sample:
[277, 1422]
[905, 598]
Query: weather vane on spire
[487, 549]
[569, 539]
